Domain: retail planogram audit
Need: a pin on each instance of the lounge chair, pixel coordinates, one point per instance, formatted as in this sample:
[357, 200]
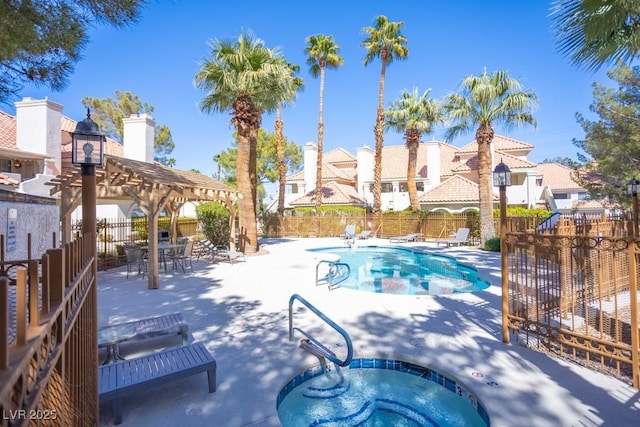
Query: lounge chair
[365, 234]
[223, 253]
[461, 237]
[413, 237]
[349, 232]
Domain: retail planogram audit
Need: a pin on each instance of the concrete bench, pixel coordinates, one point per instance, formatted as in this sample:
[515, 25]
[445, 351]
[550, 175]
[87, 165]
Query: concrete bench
[129, 377]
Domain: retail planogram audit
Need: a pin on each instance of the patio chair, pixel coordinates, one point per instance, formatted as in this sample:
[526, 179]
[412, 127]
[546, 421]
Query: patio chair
[461, 237]
[135, 258]
[413, 237]
[349, 232]
[182, 255]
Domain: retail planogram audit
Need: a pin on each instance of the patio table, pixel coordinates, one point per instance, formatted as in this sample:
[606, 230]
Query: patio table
[162, 248]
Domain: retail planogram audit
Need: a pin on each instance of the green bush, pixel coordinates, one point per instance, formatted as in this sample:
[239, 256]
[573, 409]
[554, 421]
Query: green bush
[493, 244]
[213, 219]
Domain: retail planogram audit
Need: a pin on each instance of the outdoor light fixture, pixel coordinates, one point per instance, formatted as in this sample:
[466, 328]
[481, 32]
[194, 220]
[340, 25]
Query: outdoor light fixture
[87, 143]
[501, 175]
[633, 187]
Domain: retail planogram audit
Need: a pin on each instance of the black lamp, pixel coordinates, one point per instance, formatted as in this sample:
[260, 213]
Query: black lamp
[501, 175]
[87, 143]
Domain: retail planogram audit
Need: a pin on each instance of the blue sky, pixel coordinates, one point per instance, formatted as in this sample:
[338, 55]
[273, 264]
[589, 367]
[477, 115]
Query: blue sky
[158, 57]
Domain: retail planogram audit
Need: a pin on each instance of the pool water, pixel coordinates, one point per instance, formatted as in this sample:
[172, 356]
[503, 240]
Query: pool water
[404, 271]
[378, 392]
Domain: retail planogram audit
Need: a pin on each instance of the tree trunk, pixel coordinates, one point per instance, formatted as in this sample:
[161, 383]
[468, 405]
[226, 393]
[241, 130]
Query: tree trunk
[245, 118]
[282, 172]
[484, 136]
[320, 143]
[377, 169]
[412, 137]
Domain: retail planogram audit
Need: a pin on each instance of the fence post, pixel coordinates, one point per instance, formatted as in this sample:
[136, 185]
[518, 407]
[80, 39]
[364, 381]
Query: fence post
[4, 322]
[633, 295]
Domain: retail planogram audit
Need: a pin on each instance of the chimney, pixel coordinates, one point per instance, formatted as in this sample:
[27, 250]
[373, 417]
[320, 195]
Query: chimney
[434, 163]
[39, 130]
[139, 137]
[310, 166]
[364, 157]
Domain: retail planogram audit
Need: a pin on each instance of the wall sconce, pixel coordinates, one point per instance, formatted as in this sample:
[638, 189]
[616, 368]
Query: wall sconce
[17, 164]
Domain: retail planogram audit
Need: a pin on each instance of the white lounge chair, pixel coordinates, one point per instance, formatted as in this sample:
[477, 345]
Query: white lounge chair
[461, 237]
[349, 232]
[365, 234]
[413, 237]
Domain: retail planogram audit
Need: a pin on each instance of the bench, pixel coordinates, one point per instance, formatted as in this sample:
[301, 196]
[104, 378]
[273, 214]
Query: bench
[157, 326]
[129, 377]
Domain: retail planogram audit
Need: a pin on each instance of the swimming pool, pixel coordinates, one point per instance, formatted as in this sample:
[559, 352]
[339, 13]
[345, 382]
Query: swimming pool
[378, 392]
[392, 270]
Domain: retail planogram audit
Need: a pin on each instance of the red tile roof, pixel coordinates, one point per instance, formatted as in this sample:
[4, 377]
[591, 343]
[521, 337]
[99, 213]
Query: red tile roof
[7, 131]
[332, 194]
[513, 162]
[454, 190]
[501, 143]
[557, 176]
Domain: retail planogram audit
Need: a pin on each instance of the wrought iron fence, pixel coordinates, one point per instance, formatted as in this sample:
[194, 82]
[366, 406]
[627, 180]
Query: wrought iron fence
[114, 233]
[48, 342]
[575, 296]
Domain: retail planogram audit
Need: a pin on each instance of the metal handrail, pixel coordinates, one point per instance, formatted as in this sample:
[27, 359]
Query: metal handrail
[315, 344]
[330, 276]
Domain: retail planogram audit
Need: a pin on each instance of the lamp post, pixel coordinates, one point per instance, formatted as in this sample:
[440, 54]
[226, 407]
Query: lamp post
[633, 186]
[502, 180]
[87, 151]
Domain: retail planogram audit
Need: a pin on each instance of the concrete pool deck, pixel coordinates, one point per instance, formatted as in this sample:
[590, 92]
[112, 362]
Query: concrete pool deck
[240, 312]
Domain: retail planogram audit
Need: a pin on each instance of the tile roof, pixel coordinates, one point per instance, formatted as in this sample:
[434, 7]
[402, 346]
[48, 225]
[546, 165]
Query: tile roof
[557, 176]
[7, 180]
[471, 164]
[454, 190]
[395, 158]
[338, 155]
[501, 143]
[7, 131]
[332, 194]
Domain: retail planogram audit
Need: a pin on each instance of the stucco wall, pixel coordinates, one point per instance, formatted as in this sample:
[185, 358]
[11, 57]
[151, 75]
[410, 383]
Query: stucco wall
[35, 215]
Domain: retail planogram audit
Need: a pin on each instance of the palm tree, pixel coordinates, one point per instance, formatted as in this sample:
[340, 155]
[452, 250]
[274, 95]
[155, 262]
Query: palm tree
[296, 85]
[322, 53]
[383, 41]
[414, 115]
[484, 101]
[246, 78]
[596, 32]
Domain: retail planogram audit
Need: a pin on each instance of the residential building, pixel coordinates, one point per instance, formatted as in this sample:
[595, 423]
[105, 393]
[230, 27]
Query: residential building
[446, 178]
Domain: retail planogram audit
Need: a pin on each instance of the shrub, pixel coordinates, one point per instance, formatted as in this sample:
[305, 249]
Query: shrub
[213, 219]
[493, 244]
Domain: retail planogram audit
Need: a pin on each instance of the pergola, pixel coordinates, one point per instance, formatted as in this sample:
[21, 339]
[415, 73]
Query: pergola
[152, 187]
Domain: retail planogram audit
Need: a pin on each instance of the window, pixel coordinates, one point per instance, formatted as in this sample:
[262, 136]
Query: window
[561, 196]
[387, 187]
[539, 181]
[291, 189]
[583, 195]
[404, 187]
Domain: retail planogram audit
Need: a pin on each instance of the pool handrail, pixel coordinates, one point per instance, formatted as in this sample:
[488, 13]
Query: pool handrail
[326, 353]
[329, 275]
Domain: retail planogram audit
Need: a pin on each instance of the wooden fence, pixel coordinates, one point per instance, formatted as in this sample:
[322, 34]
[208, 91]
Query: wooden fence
[48, 338]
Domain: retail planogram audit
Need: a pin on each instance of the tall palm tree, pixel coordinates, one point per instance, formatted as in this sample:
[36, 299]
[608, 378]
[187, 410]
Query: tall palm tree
[596, 32]
[246, 78]
[484, 101]
[383, 41]
[414, 115]
[322, 53]
[295, 85]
